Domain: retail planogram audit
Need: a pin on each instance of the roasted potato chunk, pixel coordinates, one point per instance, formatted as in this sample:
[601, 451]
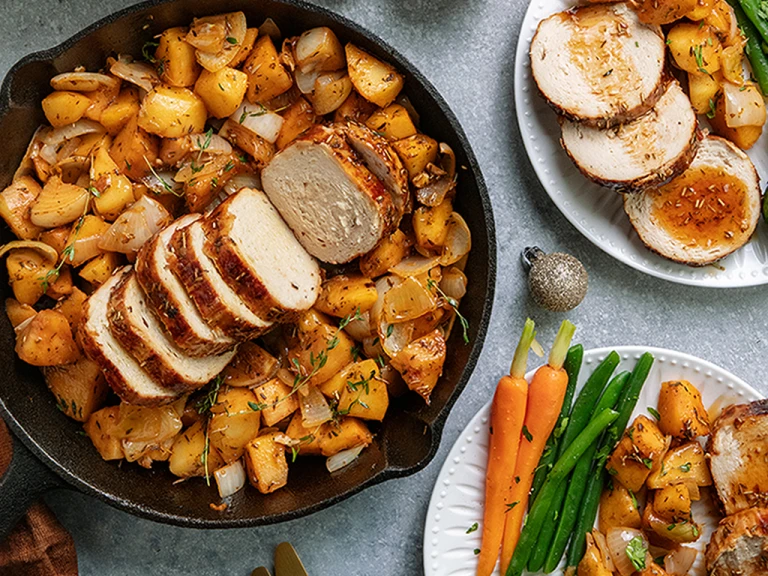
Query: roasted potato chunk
[376, 81]
[639, 451]
[47, 340]
[172, 112]
[62, 108]
[222, 91]
[682, 411]
[673, 503]
[233, 422]
[27, 270]
[666, 534]
[79, 388]
[703, 89]
[176, 58]
[364, 397]
[346, 433]
[695, 48]
[99, 269]
[618, 508]
[330, 92]
[267, 78]
[134, 150]
[430, 225]
[685, 464]
[100, 428]
[355, 108]
[416, 152]
[266, 463]
[275, 401]
[18, 312]
[343, 295]
[16, 202]
[388, 253]
[593, 563]
[189, 456]
[392, 122]
[316, 334]
[115, 116]
[356, 371]
[308, 439]
[297, 119]
[744, 136]
[72, 306]
[421, 363]
[663, 11]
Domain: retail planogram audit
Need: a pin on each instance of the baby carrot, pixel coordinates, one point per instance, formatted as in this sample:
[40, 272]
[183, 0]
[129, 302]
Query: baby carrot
[545, 398]
[507, 415]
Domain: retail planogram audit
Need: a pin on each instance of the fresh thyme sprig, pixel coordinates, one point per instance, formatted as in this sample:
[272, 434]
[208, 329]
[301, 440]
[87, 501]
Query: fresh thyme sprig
[168, 188]
[196, 166]
[432, 285]
[203, 407]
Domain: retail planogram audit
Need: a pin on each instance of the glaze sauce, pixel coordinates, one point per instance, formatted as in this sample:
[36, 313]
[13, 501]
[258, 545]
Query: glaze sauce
[703, 207]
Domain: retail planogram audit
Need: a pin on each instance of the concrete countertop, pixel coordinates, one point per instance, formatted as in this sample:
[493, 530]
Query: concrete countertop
[466, 48]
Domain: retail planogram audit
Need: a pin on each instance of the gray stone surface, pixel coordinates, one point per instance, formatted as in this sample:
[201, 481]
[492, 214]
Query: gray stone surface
[466, 48]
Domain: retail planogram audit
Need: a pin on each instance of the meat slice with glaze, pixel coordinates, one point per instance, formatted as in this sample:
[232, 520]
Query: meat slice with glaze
[260, 258]
[598, 64]
[335, 206]
[216, 301]
[124, 374]
[170, 301]
[137, 329]
[739, 546]
[706, 213]
[738, 452]
[641, 154]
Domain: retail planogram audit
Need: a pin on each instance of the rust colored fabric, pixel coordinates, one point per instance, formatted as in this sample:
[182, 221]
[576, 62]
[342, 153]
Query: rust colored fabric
[39, 545]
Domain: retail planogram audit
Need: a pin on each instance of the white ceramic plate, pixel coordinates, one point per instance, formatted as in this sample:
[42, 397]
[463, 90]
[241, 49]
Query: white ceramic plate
[457, 498]
[597, 212]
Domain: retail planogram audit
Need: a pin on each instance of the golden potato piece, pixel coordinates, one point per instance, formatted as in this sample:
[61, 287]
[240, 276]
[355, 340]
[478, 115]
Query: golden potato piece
[267, 78]
[638, 453]
[663, 11]
[387, 253]
[18, 312]
[695, 48]
[618, 508]
[79, 388]
[190, 456]
[343, 295]
[316, 333]
[685, 464]
[344, 434]
[275, 401]
[63, 108]
[16, 202]
[222, 91]
[233, 422]
[673, 503]
[416, 152]
[134, 150]
[266, 463]
[176, 58]
[421, 363]
[47, 340]
[376, 81]
[682, 411]
[392, 122]
[297, 119]
[100, 428]
[171, 112]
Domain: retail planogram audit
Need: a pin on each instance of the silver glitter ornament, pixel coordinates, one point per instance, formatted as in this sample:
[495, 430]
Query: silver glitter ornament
[558, 282]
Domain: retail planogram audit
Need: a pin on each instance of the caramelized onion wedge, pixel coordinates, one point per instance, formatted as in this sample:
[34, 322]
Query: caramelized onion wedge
[458, 241]
[58, 136]
[235, 29]
[135, 226]
[454, 283]
[343, 458]
[230, 479]
[678, 562]
[415, 265]
[435, 192]
[141, 74]
[314, 408]
[407, 301]
[82, 81]
[257, 119]
[618, 539]
[42, 248]
[744, 105]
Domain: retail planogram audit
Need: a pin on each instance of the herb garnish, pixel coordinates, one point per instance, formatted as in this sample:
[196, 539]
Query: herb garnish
[710, 114]
[698, 55]
[636, 551]
[473, 528]
[511, 505]
[432, 285]
[168, 188]
[686, 467]
[653, 412]
[203, 407]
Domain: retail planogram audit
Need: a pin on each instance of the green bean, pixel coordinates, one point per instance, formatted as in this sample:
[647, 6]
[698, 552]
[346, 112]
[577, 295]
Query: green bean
[752, 10]
[538, 512]
[754, 51]
[570, 511]
[572, 367]
[588, 511]
[578, 418]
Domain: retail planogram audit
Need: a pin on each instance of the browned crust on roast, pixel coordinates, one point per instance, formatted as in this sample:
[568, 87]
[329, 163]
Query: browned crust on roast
[111, 373]
[141, 350]
[654, 180]
[191, 274]
[336, 142]
[401, 197]
[165, 305]
[691, 263]
[620, 117]
[749, 523]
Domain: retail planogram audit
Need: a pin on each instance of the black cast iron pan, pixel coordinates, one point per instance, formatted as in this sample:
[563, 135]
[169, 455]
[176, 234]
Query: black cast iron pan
[49, 452]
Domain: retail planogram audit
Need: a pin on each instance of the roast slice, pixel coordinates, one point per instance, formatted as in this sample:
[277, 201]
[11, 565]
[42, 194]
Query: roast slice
[260, 258]
[219, 304]
[739, 546]
[598, 64]
[170, 301]
[122, 372]
[641, 154]
[335, 206]
[738, 451]
[140, 332]
[709, 211]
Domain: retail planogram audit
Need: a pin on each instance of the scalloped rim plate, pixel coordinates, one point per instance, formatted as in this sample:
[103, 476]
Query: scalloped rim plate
[598, 212]
[457, 498]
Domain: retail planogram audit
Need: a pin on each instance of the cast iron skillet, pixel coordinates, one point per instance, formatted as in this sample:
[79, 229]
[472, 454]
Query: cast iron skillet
[408, 438]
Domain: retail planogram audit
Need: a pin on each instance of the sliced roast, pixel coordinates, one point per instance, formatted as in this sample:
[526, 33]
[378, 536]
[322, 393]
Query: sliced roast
[598, 64]
[335, 206]
[706, 213]
[260, 258]
[123, 373]
[170, 301]
[641, 154]
[739, 546]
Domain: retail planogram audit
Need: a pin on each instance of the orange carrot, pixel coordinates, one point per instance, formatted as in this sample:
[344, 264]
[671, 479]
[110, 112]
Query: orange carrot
[507, 415]
[545, 398]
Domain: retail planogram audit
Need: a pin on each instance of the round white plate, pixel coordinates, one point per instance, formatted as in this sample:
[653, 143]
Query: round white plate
[458, 495]
[597, 212]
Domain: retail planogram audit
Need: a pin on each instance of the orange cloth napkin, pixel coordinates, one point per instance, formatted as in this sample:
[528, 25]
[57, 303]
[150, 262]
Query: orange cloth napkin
[39, 545]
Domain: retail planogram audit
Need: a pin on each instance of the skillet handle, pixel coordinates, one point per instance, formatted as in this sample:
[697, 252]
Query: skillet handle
[24, 482]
